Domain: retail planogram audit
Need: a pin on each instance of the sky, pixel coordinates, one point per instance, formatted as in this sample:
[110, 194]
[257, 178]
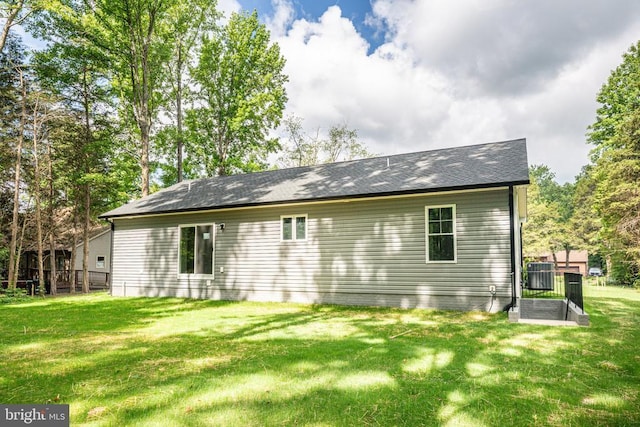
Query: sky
[428, 74]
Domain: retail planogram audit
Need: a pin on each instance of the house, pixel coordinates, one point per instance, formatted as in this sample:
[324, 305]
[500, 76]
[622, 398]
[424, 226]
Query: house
[28, 265]
[434, 229]
[99, 252]
[578, 261]
[99, 258]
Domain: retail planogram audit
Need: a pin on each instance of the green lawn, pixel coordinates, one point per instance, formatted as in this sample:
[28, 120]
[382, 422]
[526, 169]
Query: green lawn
[165, 362]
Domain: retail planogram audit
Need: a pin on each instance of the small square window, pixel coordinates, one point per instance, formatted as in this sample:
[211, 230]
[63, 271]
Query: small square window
[293, 227]
[100, 261]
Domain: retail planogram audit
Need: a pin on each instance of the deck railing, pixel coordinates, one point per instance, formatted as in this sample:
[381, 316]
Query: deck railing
[573, 289]
[543, 281]
[98, 280]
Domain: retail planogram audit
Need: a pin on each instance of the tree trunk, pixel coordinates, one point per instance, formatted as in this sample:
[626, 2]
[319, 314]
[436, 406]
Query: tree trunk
[52, 227]
[85, 243]
[144, 158]
[86, 187]
[14, 258]
[8, 23]
[180, 141]
[19, 252]
[72, 263]
[555, 260]
[142, 84]
[37, 197]
[141, 98]
[567, 252]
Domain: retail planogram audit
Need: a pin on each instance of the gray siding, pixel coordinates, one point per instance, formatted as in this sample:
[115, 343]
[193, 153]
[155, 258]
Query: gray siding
[357, 252]
[98, 245]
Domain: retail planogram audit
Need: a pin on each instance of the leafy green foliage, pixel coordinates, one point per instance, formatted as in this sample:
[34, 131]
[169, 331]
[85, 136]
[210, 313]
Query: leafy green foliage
[186, 23]
[343, 144]
[550, 225]
[616, 135]
[11, 58]
[14, 295]
[619, 97]
[304, 149]
[552, 192]
[4, 258]
[585, 221]
[541, 229]
[131, 34]
[242, 97]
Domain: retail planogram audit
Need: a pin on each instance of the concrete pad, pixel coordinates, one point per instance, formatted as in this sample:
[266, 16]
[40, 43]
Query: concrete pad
[552, 312]
[548, 322]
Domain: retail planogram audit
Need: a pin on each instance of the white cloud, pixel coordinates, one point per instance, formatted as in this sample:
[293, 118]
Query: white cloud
[227, 7]
[333, 80]
[503, 46]
[282, 19]
[450, 75]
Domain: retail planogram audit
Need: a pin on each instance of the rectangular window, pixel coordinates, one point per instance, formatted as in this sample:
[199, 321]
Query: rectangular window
[100, 261]
[196, 249]
[441, 233]
[293, 227]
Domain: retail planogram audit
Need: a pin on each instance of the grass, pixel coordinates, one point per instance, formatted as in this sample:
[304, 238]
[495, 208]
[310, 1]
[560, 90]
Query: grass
[159, 362]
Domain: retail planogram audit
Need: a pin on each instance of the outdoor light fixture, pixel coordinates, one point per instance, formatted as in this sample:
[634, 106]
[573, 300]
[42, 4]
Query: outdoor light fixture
[222, 226]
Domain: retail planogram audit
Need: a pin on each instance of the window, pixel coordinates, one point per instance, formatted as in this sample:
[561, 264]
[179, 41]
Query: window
[196, 249]
[441, 233]
[293, 227]
[100, 261]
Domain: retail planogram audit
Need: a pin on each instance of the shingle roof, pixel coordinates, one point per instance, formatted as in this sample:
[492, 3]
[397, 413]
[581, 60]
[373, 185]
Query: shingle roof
[475, 166]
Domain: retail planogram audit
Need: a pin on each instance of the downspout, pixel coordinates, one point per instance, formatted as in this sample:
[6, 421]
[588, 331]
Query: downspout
[512, 239]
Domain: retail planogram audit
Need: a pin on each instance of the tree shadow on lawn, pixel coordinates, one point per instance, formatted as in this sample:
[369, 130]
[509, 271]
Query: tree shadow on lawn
[241, 365]
[82, 315]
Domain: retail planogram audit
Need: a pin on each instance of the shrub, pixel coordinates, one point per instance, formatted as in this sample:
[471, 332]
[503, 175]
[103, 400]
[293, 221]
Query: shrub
[8, 296]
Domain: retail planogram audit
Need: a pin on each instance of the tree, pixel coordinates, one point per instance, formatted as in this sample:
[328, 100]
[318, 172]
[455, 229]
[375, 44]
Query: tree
[619, 97]
[303, 149]
[75, 68]
[616, 136]
[12, 61]
[585, 221]
[37, 131]
[541, 232]
[618, 197]
[187, 22]
[15, 110]
[343, 145]
[10, 12]
[551, 219]
[128, 31]
[242, 96]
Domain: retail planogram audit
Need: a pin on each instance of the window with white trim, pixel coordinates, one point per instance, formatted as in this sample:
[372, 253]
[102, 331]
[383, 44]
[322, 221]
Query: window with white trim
[441, 233]
[293, 227]
[100, 261]
[195, 250]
